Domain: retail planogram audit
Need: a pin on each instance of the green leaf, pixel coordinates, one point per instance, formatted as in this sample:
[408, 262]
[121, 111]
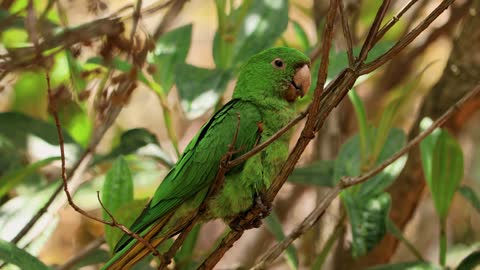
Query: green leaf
[301, 35]
[184, 257]
[445, 172]
[318, 173]
[12, 254]
[368, 218]
[171, 49]
[348, 163]
[117, 191]
[200, 88]
[94, 257]
[13, 178]
[275, 227]
[407, 266]
[263, 24]
[37, 136]
[470, 262]
[364, 131]
[139, 141]
[256, 26]
[469, 194]
[17, 212]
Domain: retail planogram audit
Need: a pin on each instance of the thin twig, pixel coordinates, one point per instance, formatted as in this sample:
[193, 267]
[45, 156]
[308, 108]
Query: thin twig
[112, 223]
[407, 39]
[346, 182]
[394, 20]
[136, 18]
[347, 34]
[372, 33]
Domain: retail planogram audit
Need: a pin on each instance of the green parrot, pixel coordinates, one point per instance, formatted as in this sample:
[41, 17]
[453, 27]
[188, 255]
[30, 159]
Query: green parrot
[263, 102]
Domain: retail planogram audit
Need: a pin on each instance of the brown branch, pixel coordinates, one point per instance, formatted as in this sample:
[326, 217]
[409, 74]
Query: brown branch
[347, 34]
[213, 189]
[112, 223]
[372, 33]
[346, 182]
[407, 39]
[136, 18]
[394, 20]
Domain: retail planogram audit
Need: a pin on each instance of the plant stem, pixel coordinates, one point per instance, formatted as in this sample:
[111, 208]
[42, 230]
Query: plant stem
[443, 242]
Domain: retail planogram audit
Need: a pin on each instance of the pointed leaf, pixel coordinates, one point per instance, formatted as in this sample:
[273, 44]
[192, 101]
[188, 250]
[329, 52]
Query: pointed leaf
[170, 50]
[275, 227]
[117, 191]
[446, 172]
[368, 218]
[12, 254]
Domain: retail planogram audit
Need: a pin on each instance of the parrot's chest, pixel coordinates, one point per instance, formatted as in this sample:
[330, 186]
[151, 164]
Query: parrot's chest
[241, 188]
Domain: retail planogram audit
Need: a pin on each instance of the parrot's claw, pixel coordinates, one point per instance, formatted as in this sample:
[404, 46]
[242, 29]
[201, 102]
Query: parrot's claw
[261, 209]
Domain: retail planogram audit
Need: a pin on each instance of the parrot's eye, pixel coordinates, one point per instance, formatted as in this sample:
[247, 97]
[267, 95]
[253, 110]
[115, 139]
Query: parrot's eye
[278, 63]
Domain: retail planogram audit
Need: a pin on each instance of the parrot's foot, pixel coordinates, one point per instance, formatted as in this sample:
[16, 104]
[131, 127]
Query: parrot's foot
[253, 217]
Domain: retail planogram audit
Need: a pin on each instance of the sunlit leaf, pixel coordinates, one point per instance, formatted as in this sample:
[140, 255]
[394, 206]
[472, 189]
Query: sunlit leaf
[469, 194]
[275, 227]
[12, 254]
[442, 160]
[171, 49]
[318, 173]
[368, 219]
[117, 191]
[200, 88]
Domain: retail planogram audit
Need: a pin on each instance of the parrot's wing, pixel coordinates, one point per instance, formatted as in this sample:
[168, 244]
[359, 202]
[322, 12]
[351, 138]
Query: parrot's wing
[197, 167]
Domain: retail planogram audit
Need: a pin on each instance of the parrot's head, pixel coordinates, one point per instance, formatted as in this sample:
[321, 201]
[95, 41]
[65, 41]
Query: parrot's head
[280, 73]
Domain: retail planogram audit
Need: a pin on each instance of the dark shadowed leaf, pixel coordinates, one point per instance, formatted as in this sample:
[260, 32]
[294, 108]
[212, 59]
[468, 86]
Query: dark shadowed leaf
[95, 257]
[275, 227]
[318, 173]
[117, 191]
[368, 219]
[13, 178]
[471, 262]
[139, 141]
[12, 254]
[171, 49]
[471, 196]
[406, 266]
[200, 88]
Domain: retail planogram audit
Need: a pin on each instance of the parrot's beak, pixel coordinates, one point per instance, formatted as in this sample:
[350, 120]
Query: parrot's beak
[301, 81]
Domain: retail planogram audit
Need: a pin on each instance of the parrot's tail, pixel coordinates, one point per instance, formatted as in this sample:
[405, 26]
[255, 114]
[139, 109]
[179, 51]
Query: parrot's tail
[136, 251]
